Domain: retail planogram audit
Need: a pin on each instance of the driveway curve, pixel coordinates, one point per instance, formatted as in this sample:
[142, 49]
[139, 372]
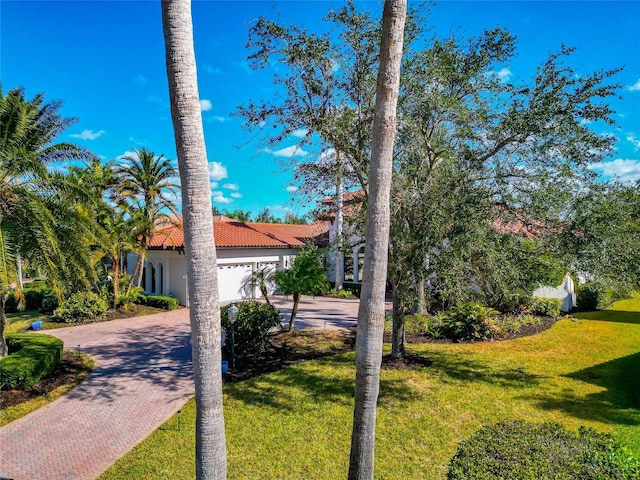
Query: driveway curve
[143, 374]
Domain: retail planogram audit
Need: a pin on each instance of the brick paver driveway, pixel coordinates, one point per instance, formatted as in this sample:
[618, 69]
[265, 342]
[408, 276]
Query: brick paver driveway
[142, 376]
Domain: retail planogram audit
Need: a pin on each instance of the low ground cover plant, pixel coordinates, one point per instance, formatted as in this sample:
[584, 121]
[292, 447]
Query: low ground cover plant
[30, 358]
[255, 321]
[81, 307]
[524, 450]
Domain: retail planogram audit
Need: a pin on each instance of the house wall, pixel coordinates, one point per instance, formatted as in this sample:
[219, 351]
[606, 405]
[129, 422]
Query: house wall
[235, 266]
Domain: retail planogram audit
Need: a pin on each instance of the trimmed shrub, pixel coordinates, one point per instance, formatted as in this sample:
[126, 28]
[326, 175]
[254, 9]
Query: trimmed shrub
[159, 301]
[81, 307]
[523, 450]
[548, 307]
[30, 358]
[471, 321]
[255, 321]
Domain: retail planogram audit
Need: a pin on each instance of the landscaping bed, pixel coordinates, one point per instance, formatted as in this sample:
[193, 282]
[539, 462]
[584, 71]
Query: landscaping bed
[72, 365]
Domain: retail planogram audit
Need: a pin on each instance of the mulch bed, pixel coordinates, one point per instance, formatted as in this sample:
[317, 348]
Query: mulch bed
[71, 366]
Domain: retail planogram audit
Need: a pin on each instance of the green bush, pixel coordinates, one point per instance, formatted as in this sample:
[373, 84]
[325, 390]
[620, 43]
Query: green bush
[471, 321]
[49, 303]
[341, 293]
[515, 304]
[523, 450]
[30, 358]
[158, 301]
[255, 321]
[11, 304]
[81, 307]
[548, 307]
[590, 295]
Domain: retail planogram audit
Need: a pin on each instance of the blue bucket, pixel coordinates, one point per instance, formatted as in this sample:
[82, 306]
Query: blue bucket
[225, 366]
[36, 325]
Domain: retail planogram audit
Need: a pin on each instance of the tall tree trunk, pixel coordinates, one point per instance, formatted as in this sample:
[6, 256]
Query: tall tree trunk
[294, 310]
[421, 306]
[398, 348]
[116, 281]
[19, 271]
[4, 350]
[200, 252]
[371, 311]
[339, 221]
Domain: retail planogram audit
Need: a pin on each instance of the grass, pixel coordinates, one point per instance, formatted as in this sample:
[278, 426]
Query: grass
[10, 414]
[20, 321]
[296, 423]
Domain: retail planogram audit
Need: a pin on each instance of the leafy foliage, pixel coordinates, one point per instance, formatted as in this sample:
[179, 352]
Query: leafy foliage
[549, 307]
[305, 276]
[30, 358]
[471, 321]
[524, 450]
[81, 307]
[251, 328]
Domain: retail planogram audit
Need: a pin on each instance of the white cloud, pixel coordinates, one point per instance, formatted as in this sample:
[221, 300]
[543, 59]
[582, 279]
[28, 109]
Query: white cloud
[217, 171]
[88, 134]
[300, 133]
[213, 185]
[218, 197]
[504, 74]
[141, 79]
[212, 70]
[287, 152]
[231, 186]
[291, 188]
[205, 105]
[626, 170]
[235, 195]
[634, 141]
[635, 87]
[127, 153]
[218, 118]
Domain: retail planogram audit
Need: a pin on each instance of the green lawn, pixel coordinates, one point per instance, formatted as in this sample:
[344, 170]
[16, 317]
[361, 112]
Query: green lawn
[20, 321]
[296, 423]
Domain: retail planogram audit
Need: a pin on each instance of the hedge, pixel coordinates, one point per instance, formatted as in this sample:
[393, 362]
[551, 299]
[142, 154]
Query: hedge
[547, 451]
[159, 301]
[31, 357]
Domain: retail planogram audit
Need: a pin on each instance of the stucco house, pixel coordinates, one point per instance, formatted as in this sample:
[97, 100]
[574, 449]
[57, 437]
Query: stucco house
[241, 248]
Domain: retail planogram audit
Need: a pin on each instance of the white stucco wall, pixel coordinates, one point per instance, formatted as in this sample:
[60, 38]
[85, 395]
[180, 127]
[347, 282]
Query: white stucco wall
[234, 267]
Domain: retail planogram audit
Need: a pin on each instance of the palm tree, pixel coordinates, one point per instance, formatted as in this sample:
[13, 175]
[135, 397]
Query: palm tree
[148, 186]
[39, 220]
[371, 310]
[112, 221]
[211, 453]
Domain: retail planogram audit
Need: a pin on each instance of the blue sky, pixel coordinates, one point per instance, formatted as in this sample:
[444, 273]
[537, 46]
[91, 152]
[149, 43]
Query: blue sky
[105, 60]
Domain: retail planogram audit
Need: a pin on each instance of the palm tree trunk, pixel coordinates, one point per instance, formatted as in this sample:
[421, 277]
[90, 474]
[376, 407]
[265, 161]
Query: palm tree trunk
[211, 458]
[4, 350]
[116, 281]
[294, 310]
[421, 306]
[371, 311]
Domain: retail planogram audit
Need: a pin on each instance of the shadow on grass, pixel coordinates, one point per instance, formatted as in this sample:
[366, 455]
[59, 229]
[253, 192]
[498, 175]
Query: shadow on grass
[618, 403]
[615, 316]
[303, 384]
[457, 367]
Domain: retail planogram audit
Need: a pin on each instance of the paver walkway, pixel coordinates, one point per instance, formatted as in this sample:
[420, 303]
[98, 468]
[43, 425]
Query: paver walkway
[142, 376]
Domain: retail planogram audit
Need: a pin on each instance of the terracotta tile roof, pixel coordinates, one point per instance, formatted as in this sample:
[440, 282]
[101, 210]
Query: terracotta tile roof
[245, 234]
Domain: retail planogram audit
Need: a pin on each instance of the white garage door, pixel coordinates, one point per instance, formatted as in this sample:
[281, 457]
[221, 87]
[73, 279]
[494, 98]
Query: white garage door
[232, 282]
